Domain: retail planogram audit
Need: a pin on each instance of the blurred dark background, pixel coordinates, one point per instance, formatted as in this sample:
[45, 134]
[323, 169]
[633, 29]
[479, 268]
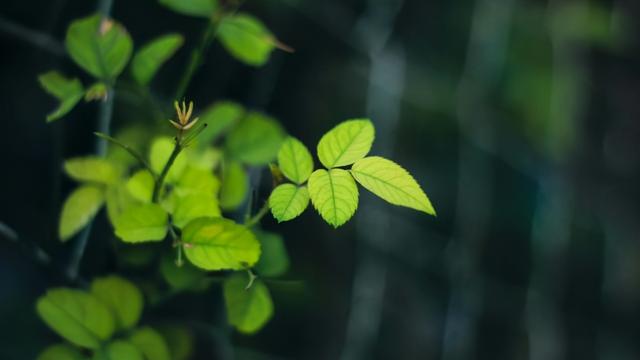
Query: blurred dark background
[518, 117]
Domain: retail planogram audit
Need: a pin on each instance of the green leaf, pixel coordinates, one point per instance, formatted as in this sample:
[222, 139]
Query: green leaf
[151, 344]
[152, 55]
[219, 117]
[219, 244]
[287, 201]
[235, 185]
[102, 47]
[79, 208]
[92, 169]
[122, 297]
[334, 194]
[180, 341]
[182, 277]
[77, 316]
[147, 222]
[295, 161]
[197, 181]
[118, 200]
[97, 91]
[274, 260]
[256, 140]
[248, 310]
[200, 8]
[246, 38]
[347, 142]
[391, 182]
[68, 91]
[60, 352]
[140, 185]
[120, 350]
[161, 150]
[191, 207]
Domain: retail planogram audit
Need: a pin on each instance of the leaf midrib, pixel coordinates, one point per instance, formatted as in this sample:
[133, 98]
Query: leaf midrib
[391, 185]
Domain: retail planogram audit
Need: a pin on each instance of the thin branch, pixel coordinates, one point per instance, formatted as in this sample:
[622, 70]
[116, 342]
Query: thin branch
[129, 149]
[157, 186]
[255, 219]
[38, 39]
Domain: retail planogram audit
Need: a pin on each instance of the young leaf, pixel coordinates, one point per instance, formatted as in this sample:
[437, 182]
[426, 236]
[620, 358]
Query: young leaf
[334, 194]
[246, 39]
[294, 160]
[97, 91]
[77, 316]
[191, 207]
[100, 46]
[60, 352]
[197, 181]
[248, 310]
[235, 185]
[119, 349]
[287, 201]
[391, 182]
[150, 343]
[92, 169]
[219, 117]
[141, 223]
[347, 142]
[68, 91]
[199, 8]
[256, 140]
[152, 55]
[161, 149]
[122, 297]
[140, 185]
[274, 260]
[219, 244]
[80, 207]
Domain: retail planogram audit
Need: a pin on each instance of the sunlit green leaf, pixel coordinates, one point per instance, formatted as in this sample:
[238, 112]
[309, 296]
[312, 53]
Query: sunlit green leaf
[120, 350]
[191, 207]
[161, 150]
[150, 343]
[347, 142]
[80, 207]
[219, 117]
[287, 201]
[207, 158]
[92, 169]
[391, 182]
[122, 297]
[68, 91]
[247, 39]
[60, 352]
[77, 316]
[100, 46]
[274, 260]
[294, 160]
[200, 8]
[248, 310]
[235, 185]
[182, 277]
[197, 181]
[334, 194]
[141, 223]
[140, 185]
[152, 55]
[218, 244]
[256, 140]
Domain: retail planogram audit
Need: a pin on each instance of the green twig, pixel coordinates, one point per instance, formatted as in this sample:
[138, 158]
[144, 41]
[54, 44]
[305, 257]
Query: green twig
[258, 216]
[197, 57]
[157, 187]
[129, 149]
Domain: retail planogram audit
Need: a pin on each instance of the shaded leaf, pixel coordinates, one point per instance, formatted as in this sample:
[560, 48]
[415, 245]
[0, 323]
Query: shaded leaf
[218, 244]
[122, 297]
[235, 185]
[78, 209]
[182, 277]
[60, 352]
[248, 310]
[120, 350]
[246, 38]
[118, 199]
[68, 91]
[294, 160]
[219, 117]
[102, 47]
[347, 142]
[334, 194]
[147, 222]
[391, 182]
[150, 343]
[92, 169]
[77, 316]
[256, 140]
[200, 8]
[179, 340]
[152, 55]
[274, 260]
[287, 201]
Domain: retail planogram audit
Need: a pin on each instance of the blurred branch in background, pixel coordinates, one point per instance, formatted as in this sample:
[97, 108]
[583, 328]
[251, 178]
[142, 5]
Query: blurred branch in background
[36, 38]
[387, 66]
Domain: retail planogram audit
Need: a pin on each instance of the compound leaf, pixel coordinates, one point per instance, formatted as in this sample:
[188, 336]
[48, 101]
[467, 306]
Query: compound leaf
[347, 142]
[334, 194]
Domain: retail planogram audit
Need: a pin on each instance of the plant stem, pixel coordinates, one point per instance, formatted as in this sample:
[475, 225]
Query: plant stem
[197, 57]
[157, 187]
[258, 216]
[129, 149]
